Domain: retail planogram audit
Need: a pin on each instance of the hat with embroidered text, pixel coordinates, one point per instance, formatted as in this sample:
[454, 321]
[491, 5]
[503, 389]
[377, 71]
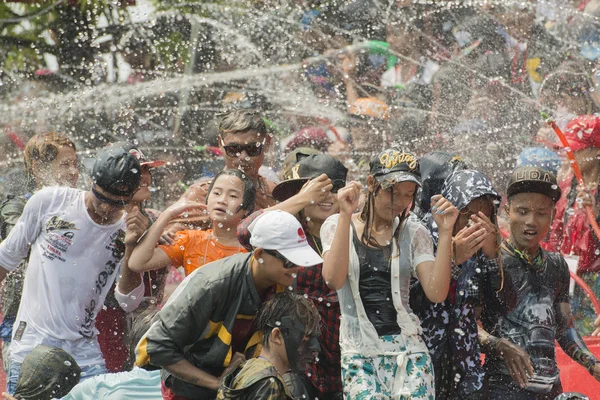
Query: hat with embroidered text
[279, 230]
[530, 179]
[393, 166]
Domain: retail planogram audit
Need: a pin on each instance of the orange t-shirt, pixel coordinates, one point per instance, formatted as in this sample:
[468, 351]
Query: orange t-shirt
[195, 248]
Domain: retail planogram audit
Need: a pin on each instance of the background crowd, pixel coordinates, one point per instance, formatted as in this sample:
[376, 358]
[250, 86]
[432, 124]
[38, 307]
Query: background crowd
[457, 85]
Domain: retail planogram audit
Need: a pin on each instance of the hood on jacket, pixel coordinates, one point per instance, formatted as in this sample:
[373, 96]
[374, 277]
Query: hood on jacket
[462, 187]
[435, 167]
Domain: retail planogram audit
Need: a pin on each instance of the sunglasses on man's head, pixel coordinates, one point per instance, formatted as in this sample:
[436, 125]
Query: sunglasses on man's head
[287, 264]
[103, 199]
[235, 150]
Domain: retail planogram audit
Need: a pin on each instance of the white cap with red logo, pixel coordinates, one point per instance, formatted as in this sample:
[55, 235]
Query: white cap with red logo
[279, 230]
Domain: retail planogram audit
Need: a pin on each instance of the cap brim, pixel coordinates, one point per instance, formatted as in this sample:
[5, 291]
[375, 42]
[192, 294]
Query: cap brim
[398, 177]
[303, 256]
[546, 188]
[153, 164]
[287, 189]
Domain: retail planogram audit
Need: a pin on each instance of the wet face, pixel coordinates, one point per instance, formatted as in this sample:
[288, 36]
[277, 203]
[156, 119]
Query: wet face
[143, 192]
[529, 216]
[225, 199]
[244, 151]
[273, 270]
[323, 210]
[63, 170]
[392, 202]
[105, 206]
[482, 204]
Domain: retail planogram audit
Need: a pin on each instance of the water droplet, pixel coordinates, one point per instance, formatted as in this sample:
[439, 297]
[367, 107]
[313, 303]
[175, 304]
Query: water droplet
[260, 260]
[67, 363]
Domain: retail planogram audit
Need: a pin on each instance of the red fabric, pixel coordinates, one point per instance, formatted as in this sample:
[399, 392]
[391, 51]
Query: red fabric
[168, 395]
[583, 132]
[573, 234]
[111, 324]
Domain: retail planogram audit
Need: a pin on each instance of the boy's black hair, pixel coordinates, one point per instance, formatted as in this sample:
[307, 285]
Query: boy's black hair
[291, 305]
[249, 196]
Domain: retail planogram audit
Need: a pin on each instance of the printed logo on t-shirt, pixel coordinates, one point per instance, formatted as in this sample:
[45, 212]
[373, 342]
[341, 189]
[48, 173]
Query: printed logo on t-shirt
[58, 241]
[117, 248]
[20, 330]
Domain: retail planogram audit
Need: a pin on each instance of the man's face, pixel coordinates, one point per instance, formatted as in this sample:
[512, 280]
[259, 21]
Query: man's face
[273, 268]
[529, 216]
[107, 206]
[244, 151]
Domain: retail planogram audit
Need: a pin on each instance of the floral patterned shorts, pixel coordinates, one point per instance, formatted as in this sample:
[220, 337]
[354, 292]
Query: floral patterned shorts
[378, 377]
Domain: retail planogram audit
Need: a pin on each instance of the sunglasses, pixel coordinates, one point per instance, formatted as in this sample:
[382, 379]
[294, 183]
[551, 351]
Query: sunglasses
[287, 264]
[102, 198]
[234, 150]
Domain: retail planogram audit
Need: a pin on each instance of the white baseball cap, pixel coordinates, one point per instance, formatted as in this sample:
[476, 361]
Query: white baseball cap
[279, 230]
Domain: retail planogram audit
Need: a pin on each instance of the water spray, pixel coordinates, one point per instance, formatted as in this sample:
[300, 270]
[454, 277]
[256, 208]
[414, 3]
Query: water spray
[575, 167]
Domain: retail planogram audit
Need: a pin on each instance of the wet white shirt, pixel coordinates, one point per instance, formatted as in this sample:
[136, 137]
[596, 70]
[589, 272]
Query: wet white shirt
[73, 264]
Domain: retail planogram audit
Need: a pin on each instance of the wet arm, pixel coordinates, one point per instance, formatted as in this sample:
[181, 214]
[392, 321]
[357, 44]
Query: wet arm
[146, 256]
[337, 258]
[571, 341]
[435, 275]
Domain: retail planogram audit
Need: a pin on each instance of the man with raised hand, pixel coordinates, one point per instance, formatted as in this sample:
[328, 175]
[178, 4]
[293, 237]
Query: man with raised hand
[77, 241]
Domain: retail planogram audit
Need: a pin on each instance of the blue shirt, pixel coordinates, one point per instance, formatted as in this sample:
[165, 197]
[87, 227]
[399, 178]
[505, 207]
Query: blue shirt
[131, 385]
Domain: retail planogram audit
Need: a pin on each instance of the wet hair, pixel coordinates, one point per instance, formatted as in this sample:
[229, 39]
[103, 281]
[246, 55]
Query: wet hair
[287, 304]
[43, 148]
[241, 121]
[140, 325]
[368, 216]
[249, 196]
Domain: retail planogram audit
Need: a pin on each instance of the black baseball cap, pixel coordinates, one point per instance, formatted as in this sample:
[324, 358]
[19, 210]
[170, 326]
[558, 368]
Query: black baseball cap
[292, 159]
[308, 168]
[117, 170]
[135, 150]
[395, 165]
[531, 179]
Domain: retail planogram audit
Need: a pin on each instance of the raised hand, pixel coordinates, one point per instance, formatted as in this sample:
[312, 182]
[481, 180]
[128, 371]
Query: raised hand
[136, 225]
[316, 190]
[490, 244]
[444, 213]
[184, 206]
[468, 241]
[348, 197]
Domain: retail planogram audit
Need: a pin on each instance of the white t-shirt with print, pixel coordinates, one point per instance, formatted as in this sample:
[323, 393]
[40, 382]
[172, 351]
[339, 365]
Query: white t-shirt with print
[73, 264]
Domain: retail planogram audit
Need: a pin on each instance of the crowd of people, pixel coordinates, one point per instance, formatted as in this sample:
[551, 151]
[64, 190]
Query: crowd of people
[316, 287]
[420, 249]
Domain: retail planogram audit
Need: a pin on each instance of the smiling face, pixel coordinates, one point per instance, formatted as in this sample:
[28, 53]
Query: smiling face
[225, 199]
[392, 202]
[321, 211]
[529, 216]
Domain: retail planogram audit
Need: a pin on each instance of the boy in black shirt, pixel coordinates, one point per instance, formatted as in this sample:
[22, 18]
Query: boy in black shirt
[526, 308]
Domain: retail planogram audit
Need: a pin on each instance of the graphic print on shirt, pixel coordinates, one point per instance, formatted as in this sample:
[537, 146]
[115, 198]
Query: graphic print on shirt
[117, 248]
[58, 241]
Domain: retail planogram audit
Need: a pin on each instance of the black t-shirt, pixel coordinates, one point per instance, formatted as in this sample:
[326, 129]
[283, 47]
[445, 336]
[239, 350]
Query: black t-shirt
[375, 287]
[525, 310]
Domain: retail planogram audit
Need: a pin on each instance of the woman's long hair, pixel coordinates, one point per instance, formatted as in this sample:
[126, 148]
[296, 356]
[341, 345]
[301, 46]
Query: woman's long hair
[367, 216]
